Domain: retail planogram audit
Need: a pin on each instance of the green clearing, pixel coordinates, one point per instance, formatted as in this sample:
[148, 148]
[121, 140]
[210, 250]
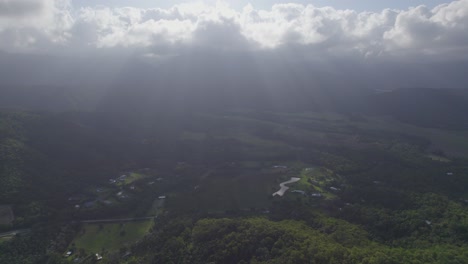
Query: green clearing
[315, 179]
[98, 238]
[438, 158]
[156, 207]
[5, 239]
[132, 177]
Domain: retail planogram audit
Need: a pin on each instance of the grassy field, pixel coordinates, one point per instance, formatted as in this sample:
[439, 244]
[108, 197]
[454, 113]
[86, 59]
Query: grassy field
[156, 207]
[5, 239]
[438, 158]
[98, 238]
[132, 177]
[316, 179]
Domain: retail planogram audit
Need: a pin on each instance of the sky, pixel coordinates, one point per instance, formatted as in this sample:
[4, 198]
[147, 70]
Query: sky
[385, 44]
[358, 5]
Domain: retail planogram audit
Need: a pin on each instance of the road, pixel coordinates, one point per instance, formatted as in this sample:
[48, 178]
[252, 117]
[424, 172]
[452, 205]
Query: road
[14, 232]
[119, 220]
[283, 186]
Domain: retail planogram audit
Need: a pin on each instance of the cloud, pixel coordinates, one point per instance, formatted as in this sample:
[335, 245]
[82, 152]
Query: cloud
[412, 44]
[15, 8]
[43, 24]
[39, 25]
[444, 27]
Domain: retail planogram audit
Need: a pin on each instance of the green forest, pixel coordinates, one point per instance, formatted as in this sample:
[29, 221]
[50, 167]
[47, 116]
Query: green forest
[198, 188]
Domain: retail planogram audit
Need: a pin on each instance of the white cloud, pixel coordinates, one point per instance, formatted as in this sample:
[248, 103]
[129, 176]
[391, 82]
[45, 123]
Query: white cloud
[34, 24]
[18, 8]
[42, 25]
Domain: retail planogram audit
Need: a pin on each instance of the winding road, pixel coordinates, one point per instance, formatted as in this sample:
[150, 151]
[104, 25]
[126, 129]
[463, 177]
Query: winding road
[283, 186]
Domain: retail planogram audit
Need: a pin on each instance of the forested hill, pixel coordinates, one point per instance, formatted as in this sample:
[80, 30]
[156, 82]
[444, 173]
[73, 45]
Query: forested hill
[258, 240]
[439, 108]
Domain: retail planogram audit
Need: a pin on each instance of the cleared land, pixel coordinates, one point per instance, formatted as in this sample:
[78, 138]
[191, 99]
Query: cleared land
[96, 238]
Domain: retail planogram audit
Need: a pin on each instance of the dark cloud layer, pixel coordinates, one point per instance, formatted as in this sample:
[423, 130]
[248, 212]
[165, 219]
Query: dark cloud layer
[202, 50]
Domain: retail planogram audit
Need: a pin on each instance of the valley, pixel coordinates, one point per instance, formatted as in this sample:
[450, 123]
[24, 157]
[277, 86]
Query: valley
[365, 186]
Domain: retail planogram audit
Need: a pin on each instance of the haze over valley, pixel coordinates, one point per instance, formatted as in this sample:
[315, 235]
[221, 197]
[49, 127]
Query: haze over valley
[233, 132]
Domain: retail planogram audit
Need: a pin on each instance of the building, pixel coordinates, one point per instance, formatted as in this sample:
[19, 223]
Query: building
[280, 167]
[299, 191]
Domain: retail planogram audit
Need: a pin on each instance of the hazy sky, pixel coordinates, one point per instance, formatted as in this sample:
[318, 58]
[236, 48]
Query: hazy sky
[359, 5]
[404, 43]
[63, 25]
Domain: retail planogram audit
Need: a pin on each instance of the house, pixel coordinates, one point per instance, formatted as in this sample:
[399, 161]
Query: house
[122, 177]
[428, 222]
[162, 197]
[449, 173]
[76, 198]
[89, 204]
[112, 181]
[299, 191]
[280, 167]
[107, 202]
[127, 254]
[68, 253]
[98, 257]
[122, 195]
[317, 195]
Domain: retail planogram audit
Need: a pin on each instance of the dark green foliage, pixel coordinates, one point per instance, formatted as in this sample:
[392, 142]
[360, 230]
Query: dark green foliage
[395, 204]
[258, 240]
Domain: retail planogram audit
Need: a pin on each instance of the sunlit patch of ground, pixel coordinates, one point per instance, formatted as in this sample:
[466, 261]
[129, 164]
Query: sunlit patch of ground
[99, 238]
[438, 158]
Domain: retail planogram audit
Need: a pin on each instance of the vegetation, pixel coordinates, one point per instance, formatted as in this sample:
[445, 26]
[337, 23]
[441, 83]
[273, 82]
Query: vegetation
[388, 192]
[99, 238]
